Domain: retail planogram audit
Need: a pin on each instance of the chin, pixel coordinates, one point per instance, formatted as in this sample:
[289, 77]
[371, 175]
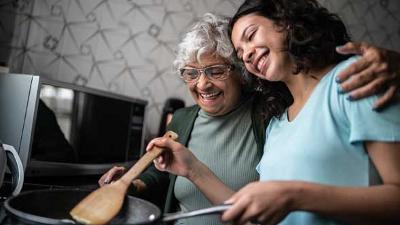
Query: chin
[214, 111]
[259, 75]
[265, 77]
[272, 77]
[211, 113]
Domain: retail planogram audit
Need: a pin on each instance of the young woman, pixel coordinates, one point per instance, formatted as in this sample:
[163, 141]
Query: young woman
[327, 159]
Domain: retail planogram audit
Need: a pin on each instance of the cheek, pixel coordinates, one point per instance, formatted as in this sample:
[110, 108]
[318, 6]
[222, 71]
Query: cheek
[191, 89]
[250, 68]
[279, 62]
[232, 93]
[286, 66]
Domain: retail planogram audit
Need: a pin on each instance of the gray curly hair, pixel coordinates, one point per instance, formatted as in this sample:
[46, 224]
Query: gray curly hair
[208, 35]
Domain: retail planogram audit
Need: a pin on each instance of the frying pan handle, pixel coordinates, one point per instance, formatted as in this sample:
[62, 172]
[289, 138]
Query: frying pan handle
[210, 210]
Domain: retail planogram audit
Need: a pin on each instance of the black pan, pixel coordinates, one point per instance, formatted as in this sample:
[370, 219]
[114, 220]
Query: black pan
[45, 207]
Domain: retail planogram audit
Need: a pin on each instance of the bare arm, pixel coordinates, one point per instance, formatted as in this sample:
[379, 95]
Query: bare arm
[272, 201]
[209, 184]
[376, 203]
[376, 72]
[180, 161]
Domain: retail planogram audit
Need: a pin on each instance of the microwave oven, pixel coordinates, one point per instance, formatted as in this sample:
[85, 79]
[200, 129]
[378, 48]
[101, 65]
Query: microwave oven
[61, 129]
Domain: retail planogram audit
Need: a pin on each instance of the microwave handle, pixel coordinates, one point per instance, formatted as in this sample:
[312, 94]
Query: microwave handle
[14, 163]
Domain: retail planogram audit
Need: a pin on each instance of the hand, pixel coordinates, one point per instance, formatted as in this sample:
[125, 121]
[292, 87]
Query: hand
[260, 202]
[377, 71]
[176, 159]
[112, 175]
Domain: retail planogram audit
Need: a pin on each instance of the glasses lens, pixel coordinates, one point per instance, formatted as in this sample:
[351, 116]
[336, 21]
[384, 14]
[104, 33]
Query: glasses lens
[189, 74]
[217, 72]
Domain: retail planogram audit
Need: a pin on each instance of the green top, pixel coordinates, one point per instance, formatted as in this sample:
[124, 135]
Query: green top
[227, 145]
[182, 123]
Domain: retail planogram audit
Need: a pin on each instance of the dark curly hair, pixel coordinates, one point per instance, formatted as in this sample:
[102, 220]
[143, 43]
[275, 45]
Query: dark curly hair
[312, 33]
[275, 96]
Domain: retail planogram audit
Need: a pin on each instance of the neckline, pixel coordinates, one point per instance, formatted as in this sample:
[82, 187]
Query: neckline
[305, 106]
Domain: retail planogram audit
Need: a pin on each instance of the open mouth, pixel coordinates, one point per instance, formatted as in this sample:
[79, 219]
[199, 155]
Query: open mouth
[261, 64]
[210, 95]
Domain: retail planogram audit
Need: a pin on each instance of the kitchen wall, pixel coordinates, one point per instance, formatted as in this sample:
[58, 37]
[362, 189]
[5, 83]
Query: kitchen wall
[127, 46]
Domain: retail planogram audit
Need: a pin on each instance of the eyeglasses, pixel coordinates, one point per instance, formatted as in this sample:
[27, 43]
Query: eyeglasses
[214, 73]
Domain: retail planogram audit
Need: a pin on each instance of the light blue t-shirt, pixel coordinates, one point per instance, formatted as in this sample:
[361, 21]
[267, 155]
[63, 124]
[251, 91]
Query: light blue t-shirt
[324, 143]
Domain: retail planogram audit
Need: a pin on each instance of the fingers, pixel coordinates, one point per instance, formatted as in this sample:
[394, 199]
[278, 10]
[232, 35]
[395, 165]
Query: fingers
[161, 162]
[356, 67]
[234, 213]
[162, 142]
[250, 214]
[386, 97]
[372, 74]
[113, 174]
[363, 74]
[352, 48]
[371, 57]
[160, 159]
[159, 166]
[151, 144]
[370, 82]
[369, 89]
[240, 204]
[358, 80]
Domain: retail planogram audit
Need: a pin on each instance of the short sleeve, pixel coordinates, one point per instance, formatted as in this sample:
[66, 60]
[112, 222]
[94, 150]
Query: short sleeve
[369, 125]
[366, 124]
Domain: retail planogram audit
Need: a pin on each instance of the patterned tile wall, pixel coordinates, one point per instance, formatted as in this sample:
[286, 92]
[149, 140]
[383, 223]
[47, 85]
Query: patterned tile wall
[127, 46]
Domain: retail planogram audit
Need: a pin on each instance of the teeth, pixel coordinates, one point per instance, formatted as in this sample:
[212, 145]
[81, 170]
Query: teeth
[209, 95]
[260, 63]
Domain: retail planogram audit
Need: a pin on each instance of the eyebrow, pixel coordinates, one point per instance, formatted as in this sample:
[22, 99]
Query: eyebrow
[242, 37]
[244, 31]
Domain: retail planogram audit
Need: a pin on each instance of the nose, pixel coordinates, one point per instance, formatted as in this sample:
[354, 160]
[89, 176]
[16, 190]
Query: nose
[203, 81]
[248, 54]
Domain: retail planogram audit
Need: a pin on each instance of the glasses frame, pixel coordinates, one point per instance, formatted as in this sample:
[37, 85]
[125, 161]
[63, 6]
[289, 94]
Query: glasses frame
[228, 68]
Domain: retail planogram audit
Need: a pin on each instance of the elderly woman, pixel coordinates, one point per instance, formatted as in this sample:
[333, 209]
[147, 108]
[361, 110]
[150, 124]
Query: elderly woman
[225, 130]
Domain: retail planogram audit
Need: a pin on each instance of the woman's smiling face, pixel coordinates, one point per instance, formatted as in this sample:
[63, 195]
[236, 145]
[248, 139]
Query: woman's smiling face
[217, 97]
[261, 45]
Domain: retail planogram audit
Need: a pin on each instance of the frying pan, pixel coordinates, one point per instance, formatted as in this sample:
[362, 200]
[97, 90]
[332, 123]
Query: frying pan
[44, 207]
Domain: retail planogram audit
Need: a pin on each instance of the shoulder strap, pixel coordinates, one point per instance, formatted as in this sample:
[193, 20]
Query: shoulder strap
[182, 123]
[259, 122]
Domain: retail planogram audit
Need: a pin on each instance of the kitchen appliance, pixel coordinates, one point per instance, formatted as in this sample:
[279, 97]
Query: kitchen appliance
[18, 104]
[9, 157]
[45, 207]
[95, 129]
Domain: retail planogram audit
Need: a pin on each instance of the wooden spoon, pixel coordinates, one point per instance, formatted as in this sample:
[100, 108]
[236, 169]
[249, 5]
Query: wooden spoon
[100, 206]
